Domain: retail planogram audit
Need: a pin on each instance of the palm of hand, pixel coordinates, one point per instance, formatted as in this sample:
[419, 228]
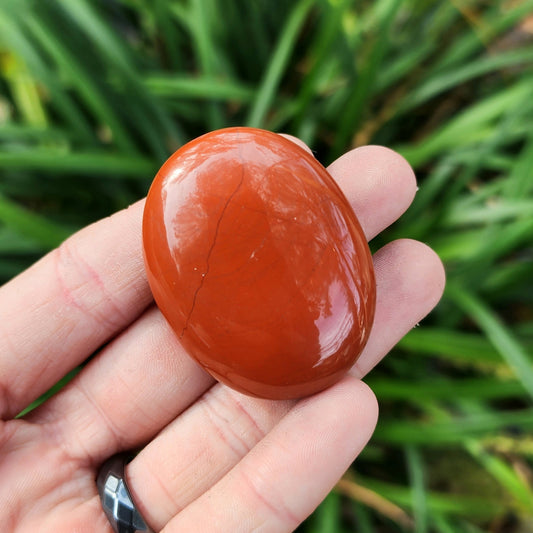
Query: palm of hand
[213, 459]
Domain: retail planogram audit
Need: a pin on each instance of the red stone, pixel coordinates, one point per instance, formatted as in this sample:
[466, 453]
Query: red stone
[259, 264]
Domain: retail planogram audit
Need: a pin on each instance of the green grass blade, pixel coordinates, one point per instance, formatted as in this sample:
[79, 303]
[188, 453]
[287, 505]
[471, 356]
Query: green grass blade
[92, 164]
[326, 519]
[449, 432]
[466, 505]
[53, 390]
[520, 181]
[366, 78]
[24, 90]
[169, 35]
[100, 33]
[432, 389]
[503, 473]
[450, 344]
[145, 117]
[494, 21]
[202, 18]
[497, 332]
[175, 86]
[415, 468]
[444, 524]
[40, 230]
[17, 39]
[445, 81]
[88, 87]
[497, 210]
[22, 132]
[279, 60]
[13, 243]
[471, 126]
[321, 54]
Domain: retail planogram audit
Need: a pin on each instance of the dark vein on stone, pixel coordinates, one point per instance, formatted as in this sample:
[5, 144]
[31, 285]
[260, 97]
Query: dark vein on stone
[209, 253]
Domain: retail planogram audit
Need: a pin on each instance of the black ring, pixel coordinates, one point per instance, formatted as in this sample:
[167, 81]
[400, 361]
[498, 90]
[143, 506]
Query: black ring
[116, 499]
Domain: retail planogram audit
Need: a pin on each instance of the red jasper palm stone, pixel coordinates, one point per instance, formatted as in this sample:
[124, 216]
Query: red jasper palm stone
[259, 264]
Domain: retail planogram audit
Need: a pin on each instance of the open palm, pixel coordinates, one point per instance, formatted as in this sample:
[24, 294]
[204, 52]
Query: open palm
[211, 459]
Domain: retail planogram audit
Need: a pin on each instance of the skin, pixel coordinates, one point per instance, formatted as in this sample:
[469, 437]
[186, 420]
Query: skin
[211, 459]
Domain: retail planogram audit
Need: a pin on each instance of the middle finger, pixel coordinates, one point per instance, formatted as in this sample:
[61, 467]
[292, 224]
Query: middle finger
[212, 436]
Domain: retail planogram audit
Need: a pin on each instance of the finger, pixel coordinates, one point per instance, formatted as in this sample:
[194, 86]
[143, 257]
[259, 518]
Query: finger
[64, 307]
[213, 434]
[368, 175]
[281, 481]
[133, 388]
[410, 280]
[297, 141]
[375, 177]
[99, 412]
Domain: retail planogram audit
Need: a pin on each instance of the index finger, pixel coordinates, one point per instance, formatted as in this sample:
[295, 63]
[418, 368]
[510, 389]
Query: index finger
[59, 311]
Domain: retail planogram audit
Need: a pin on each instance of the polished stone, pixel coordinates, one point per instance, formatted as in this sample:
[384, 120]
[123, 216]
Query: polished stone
[258, 262]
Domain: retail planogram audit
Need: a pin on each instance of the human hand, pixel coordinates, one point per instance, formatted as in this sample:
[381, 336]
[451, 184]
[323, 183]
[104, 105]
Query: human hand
[212, 459]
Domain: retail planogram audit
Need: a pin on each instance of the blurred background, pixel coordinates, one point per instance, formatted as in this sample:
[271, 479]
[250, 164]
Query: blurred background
[95, 95]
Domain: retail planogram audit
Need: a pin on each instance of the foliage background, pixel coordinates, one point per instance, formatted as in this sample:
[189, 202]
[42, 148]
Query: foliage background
[94, 95]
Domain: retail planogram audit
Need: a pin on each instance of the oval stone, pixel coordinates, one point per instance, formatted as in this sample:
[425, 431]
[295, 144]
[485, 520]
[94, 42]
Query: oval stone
[257, 261]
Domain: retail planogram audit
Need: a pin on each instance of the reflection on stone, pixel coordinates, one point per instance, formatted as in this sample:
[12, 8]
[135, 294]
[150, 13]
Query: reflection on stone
[257, 261]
